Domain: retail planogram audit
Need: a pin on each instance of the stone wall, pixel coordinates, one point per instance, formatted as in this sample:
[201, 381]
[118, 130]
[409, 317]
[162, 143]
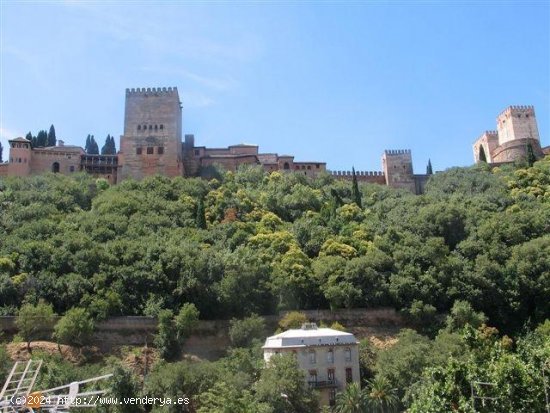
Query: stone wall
[210, 340]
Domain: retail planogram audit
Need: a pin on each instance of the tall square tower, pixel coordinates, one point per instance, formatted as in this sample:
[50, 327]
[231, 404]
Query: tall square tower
[151, 143]
[517, 122]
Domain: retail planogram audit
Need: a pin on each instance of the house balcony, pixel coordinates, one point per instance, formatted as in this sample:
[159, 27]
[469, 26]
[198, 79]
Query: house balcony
[322, 384]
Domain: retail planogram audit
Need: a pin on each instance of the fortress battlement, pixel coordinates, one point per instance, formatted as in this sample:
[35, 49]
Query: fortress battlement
[152, 90]
[517, 108]
[357, 173]
[391, 152]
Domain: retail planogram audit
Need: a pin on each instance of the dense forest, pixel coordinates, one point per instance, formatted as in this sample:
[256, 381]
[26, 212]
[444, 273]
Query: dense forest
[472, 252]
[252, 242]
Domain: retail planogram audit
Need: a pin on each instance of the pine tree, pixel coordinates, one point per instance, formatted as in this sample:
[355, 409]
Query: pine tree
[200, 219]
[355, 189]
[1, 150]
[429, 170]
[52, 141]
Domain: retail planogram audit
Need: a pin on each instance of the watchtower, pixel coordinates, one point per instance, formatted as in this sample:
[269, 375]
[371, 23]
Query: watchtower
[398, 169]
[517, 122]
[151, 143]
[20, 157]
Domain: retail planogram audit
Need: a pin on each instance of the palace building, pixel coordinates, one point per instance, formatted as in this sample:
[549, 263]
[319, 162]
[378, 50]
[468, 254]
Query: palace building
[153, 143]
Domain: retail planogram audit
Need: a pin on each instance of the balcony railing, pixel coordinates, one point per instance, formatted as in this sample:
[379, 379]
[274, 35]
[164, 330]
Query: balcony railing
[320, 384]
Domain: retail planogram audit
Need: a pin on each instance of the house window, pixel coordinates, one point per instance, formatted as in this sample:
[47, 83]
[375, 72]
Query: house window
[71, 168]
[138, 151]
[197, 152]
[349, 375]
[139, 127]
[312, 357]
[332, 397]
[309, 167]
[150, 150]
[161, 127]
[330, 375]
[347, 353]
[317, 166]
[160, 150]
[286, 166]
[150, 127]
[312, 376]
[156, 127]
[330, 356]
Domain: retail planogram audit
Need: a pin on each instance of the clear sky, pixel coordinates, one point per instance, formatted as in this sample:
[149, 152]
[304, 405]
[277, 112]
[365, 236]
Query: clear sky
[336, 82]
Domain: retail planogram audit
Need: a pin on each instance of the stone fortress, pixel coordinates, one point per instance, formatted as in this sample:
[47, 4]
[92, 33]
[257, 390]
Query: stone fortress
[517, 134]
[152, 144]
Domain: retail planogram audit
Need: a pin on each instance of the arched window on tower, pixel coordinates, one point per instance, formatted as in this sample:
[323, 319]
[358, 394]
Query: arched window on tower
[55, 167]
[482, 156]
[286, 165]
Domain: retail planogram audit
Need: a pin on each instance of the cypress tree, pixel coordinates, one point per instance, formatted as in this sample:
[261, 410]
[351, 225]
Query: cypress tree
[531, 158]
[52, 141]
[200, 219]
[42, 139]
[113, 145]
[87, 147]
[355, 189]
[1, 150]
[429, 170]
[94, 149]
[106, 149]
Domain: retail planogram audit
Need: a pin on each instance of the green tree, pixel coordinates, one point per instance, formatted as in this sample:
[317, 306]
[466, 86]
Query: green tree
[462, 313]
[531, 158]
[243, 333]
[123, 385]
[402, 364]
[42, 139]
[30, 138]
[166, 339]
[109, 147]
[351, 400]
[186, 321]
[225, 398]
[1, 152]
[292, 319]
[429, 169]
[381, 397]
[51, 139]
[282, 386]
[91, 145]
[74, 328]
[356, 194]
[32, 320]
[173, 330]
[200, 215]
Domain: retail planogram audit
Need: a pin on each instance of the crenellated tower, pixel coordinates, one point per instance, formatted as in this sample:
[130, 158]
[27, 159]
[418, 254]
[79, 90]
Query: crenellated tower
[398, 169]
[516, 132]
[151, 143]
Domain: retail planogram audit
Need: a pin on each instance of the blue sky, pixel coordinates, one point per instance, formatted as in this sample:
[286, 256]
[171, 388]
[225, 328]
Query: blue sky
[335, 82]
